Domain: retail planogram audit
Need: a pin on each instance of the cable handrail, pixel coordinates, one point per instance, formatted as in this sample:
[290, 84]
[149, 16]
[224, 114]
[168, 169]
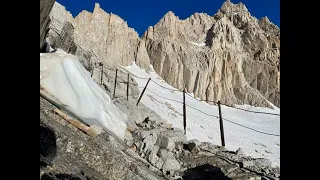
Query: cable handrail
[259, 112]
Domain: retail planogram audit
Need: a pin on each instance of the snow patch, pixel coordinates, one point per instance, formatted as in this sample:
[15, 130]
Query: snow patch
[206, 128]
[63, 76]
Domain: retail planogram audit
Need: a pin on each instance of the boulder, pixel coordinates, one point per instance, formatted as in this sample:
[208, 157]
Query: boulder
[170, 165]
[176, 135]
[166, 142]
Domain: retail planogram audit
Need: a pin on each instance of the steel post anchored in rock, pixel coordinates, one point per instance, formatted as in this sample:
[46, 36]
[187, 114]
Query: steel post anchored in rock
[184, 111]
[128, 82]
[92, 69]
[101, 73]
[115, 84]
[144, 89]
[221, 124]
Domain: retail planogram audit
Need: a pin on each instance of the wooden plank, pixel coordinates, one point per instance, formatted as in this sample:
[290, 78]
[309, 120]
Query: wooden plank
[72, 121]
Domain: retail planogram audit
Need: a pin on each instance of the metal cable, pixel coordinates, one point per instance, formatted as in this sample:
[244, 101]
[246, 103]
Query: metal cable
[164, 97]
[252, 111]
[163, 86]
[251, 128]
[202, 111]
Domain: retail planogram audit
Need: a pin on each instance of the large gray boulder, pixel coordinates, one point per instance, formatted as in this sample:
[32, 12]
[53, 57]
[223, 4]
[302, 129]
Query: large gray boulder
[176, 135]
[166, 142]
[170, 165]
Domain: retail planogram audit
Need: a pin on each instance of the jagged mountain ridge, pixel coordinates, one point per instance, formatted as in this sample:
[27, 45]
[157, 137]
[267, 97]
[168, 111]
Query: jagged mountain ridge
[230, 56]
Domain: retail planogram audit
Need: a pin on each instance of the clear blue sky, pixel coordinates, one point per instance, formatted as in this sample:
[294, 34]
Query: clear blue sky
[141, 14]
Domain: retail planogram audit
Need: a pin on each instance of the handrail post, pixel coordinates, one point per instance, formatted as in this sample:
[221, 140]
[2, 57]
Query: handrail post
[184, 111]
[143, 91]
[115, 84]
[221, 124]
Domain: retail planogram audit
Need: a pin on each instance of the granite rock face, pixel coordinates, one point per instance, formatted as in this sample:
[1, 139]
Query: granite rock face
[230, 56]
[107, 36]
[61, 33]
[45, 8]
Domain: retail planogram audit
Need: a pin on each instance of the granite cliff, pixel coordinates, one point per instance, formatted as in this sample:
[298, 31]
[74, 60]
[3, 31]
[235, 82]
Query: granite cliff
[230, 56]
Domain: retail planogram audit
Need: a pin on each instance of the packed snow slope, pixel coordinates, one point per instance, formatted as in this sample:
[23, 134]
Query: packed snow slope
[205, 127]
[63, 76]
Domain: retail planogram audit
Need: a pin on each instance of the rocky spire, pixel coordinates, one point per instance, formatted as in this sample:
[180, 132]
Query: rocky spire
[231, 56]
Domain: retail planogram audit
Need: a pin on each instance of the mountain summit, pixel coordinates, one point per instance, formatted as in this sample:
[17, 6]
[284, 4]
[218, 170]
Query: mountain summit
[230, 56]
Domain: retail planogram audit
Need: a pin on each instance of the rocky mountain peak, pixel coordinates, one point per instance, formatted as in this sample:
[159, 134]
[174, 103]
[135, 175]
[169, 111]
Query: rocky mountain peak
[226, 57]
[228, 7]
[230, 56]
[268, 26]
[96, 6]
[169, 15]
[265, 19]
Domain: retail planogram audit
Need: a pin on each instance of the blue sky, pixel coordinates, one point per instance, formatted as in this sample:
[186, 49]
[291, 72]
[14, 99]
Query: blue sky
[142, 14]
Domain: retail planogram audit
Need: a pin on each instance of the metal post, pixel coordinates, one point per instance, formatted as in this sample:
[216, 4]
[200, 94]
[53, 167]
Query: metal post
[115, 84]
[184, 111]
[128, 87]
[101, 73]
[92, 71]
[143, 91]
[92, 68]
[221, 125]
